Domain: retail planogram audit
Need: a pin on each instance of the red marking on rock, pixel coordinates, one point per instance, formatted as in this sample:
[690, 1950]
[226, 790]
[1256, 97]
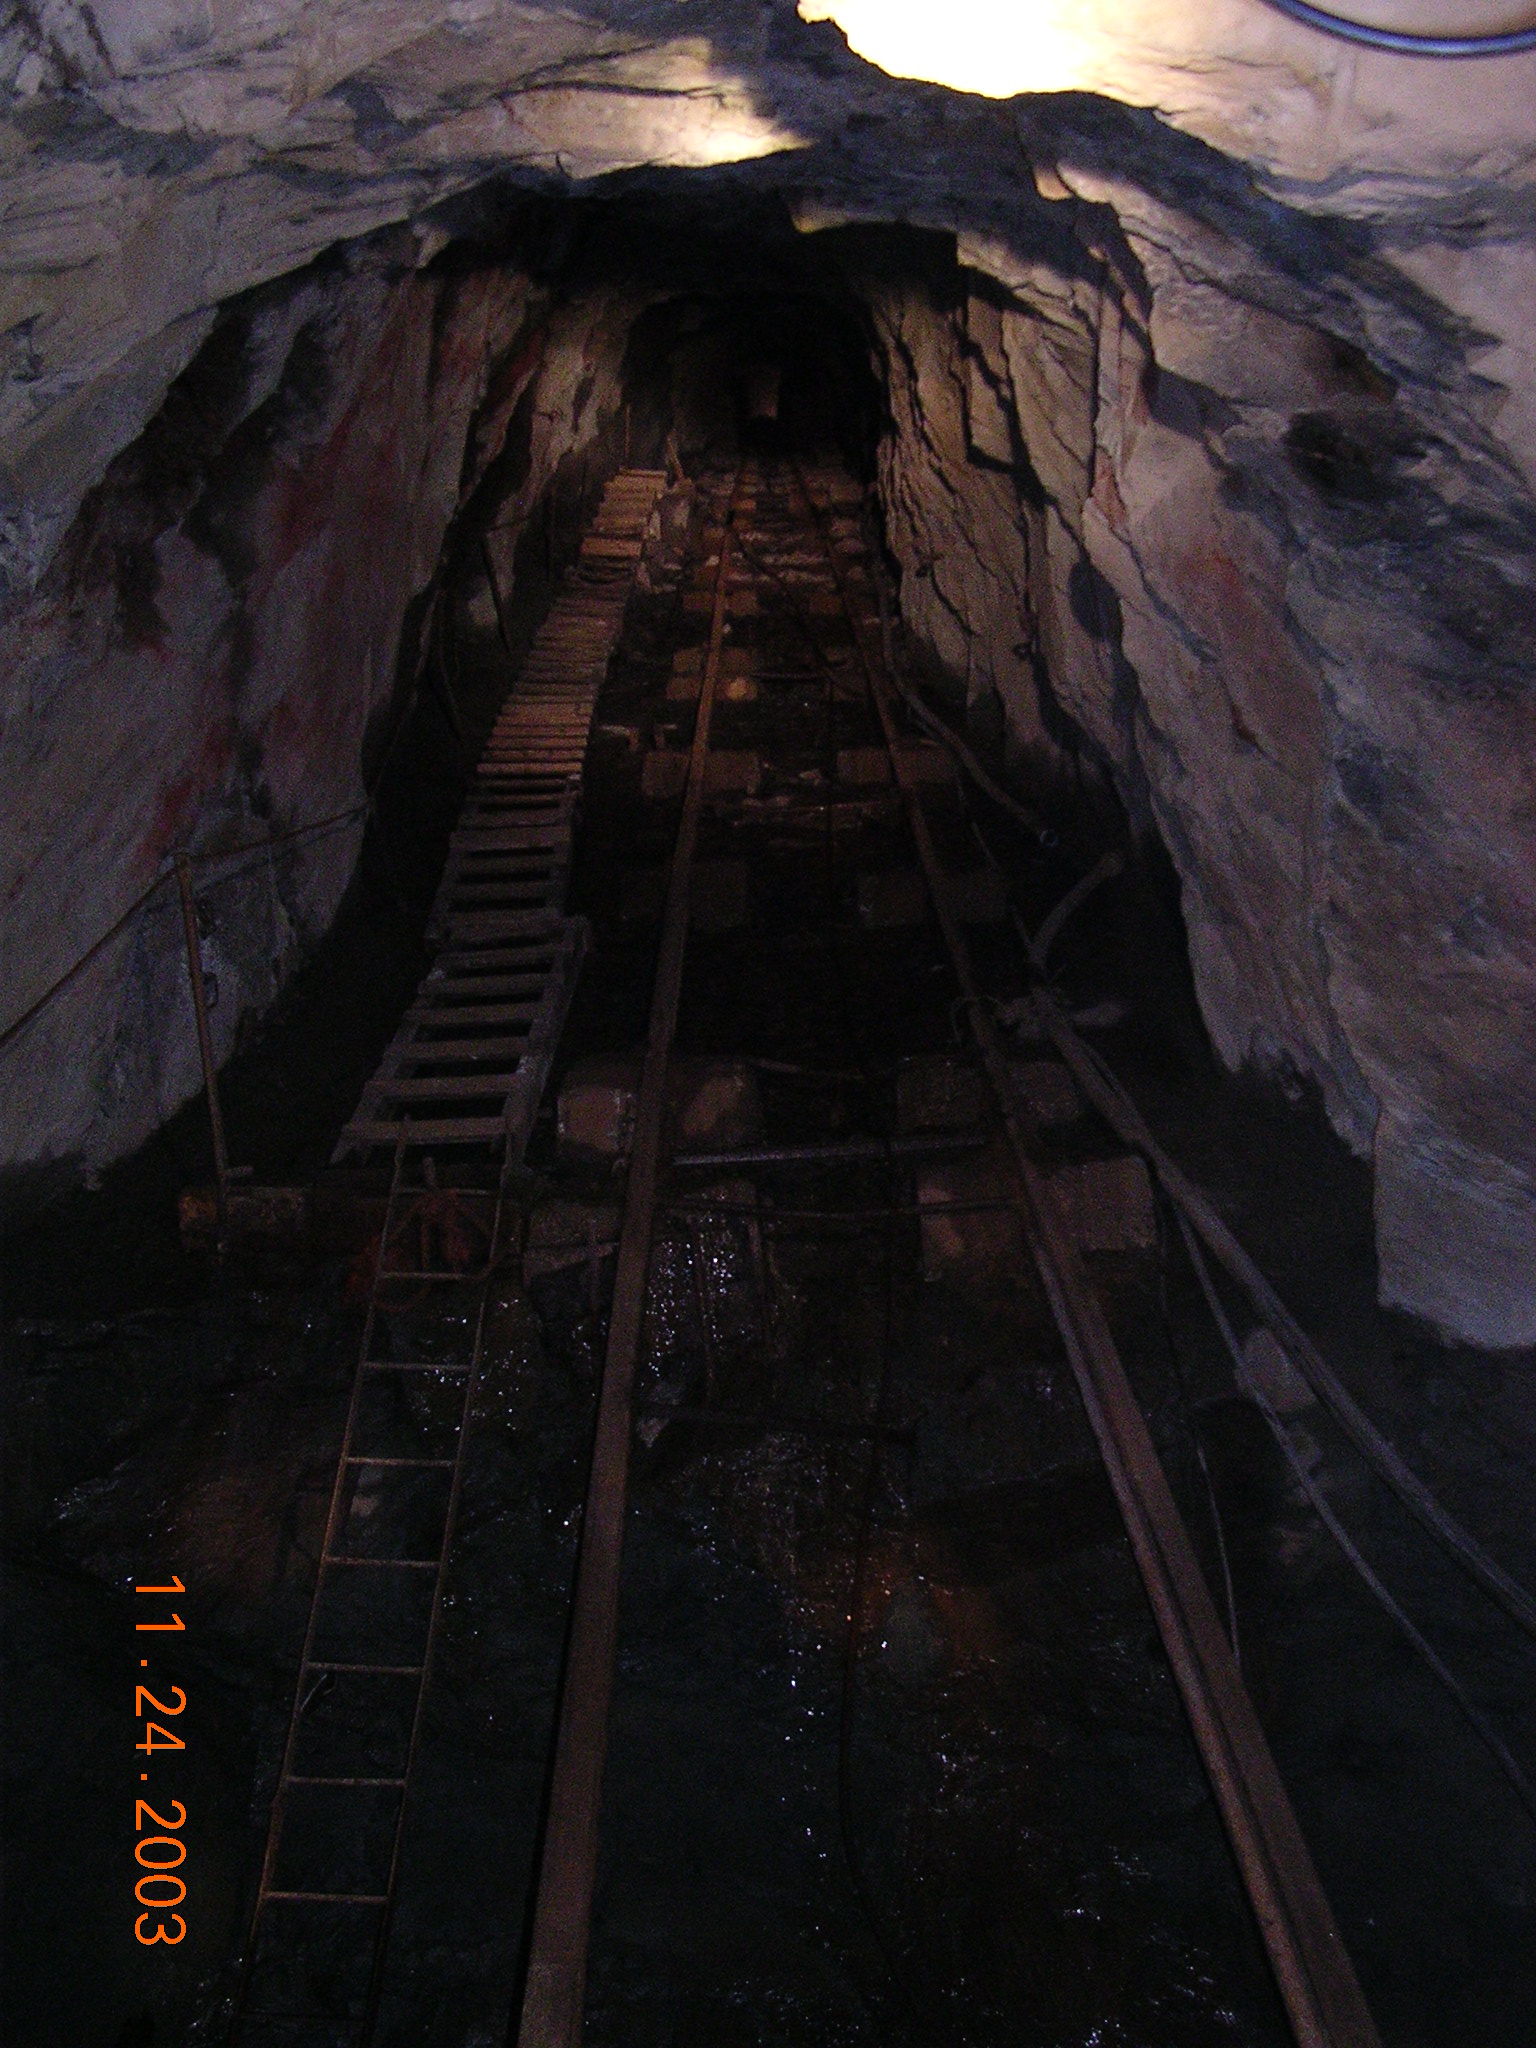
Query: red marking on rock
[179, 800]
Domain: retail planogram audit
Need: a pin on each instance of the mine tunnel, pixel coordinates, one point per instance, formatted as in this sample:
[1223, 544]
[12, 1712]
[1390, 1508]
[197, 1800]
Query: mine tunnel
[769, 1254]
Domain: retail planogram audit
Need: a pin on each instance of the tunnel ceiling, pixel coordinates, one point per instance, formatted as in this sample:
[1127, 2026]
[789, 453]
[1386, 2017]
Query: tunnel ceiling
[161, 159]
[1209, 399]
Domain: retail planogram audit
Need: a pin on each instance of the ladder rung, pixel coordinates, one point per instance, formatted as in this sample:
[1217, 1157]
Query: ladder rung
[384, 1564]
[531, 961]
[568, 736]
[486, 984]
[530, 954]
[439, 1130]
[408, 1464]
[389, 1274]
[309, 1778]
[327, 1898]
[439, 1051]
[488, 922]
[471, 1013]
[526, 784]
[470, 895]
[269, 2016]
[441, 1088]
[365, 1670]
[545, 715]
[410, 1365]
[473, 838]
[545, 757]
[532, 847]
[501, 864]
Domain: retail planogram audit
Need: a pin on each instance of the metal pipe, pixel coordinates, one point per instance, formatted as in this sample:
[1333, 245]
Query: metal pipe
[490, 577]
[205, 1046]
[1403, 43]
[851, 1152]
[859, 1216]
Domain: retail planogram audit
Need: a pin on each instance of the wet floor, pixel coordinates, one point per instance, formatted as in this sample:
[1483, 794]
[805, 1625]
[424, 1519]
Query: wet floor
[971, 1813]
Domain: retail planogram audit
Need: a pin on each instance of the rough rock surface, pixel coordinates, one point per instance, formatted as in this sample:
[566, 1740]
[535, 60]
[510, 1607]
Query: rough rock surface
[217, 651]
[1285, 585]
[1214, 459]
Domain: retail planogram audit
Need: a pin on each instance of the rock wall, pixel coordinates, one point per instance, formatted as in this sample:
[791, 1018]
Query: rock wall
[216, 652]
[1219, 456]
[1279, 577]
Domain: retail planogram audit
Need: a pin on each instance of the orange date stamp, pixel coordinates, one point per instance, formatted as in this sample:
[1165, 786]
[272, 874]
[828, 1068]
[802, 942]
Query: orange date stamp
[159, 1854]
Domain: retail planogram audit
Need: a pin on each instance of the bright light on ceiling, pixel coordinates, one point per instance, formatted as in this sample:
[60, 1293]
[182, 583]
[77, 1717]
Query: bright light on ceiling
[996, 47]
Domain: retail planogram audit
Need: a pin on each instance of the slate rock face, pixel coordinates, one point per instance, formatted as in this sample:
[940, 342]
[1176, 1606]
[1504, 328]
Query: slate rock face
[1283, 590]
[1211, 465]
[214, 654]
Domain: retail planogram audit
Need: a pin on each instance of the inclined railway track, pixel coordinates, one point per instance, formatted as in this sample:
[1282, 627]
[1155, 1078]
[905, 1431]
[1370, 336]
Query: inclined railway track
[820, 581]
[453, 1106]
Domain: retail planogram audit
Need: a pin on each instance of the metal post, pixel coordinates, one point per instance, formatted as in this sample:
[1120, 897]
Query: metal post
[205, 1046]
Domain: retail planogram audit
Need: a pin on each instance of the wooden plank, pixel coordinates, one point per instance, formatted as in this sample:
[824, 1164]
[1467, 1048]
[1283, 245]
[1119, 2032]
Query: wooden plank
[531, 730]
[491, 808]
[458, 919]
[506, 871]
[485, 863]
[483, 875]
[473, 843]
[527, 961]
[453, 1130]
[540, 870]
[442, 1052]
[533, 1074]
[459, 916]
[530, 725]
[462, 985]
[439, 1088]
[470, 1013]
[487, 923]
[532, 928]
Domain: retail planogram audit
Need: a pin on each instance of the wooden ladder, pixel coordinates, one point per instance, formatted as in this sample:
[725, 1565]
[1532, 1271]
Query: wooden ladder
[470, 1060]
[454, 1098]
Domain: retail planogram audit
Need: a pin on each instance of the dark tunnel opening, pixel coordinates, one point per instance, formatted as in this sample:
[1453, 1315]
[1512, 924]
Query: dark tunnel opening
[736, 371]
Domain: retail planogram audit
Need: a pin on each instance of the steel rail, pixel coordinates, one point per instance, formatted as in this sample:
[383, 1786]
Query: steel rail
[841, 1152]
[1312, 1968]
[555, 1986]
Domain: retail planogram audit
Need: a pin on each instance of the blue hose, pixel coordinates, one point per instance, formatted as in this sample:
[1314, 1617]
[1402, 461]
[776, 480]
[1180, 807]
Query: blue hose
[1506, 44]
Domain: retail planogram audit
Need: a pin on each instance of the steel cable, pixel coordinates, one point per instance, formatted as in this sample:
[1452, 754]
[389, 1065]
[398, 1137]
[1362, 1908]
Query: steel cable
[315, 829]
[1481, 1726]
[1404, 42]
